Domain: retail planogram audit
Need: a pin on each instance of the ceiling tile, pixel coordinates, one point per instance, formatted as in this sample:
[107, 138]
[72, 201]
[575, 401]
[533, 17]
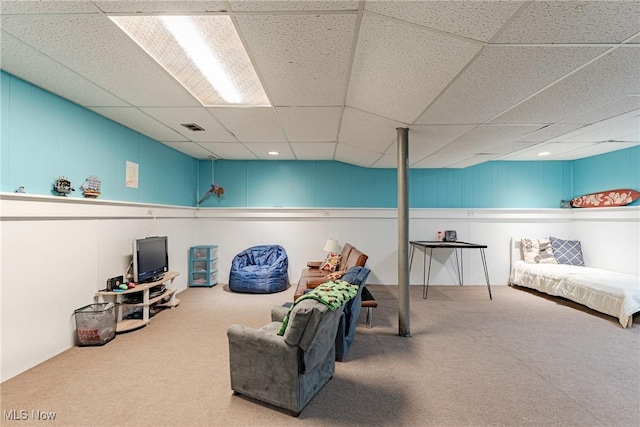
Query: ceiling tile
[310, 124]
[27, 63]
[367, 131]
[606, 111]
[46, 7]
[120, 67]
[567, 150]
[250, 124]
[489, 139]
[290, 6]
[228, 150]
[611, 129]
[573, 22]
[315, 151]
[548, 132]
[427, 139]
[156, 6]
[477, 20]
[139, 121]
[189, 148]
[510, 147]
[472, 161]
[502, 76]
[356, 156]
[632, 137]
[302, 59]
[588, 150]
[175, 117]
[583, 90]
[261, 150]
[555, 150]
[433, 161]
[387, 161]
[441, 160]
[400, 68]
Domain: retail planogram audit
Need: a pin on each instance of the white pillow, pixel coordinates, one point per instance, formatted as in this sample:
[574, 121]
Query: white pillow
[537, 251]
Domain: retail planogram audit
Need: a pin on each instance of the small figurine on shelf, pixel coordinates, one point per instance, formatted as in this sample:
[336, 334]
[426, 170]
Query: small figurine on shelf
[20, 189]
[63, 186]
[91, 187]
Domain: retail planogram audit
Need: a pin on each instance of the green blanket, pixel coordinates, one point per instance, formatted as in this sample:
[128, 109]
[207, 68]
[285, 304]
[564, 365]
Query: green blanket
[332, 294]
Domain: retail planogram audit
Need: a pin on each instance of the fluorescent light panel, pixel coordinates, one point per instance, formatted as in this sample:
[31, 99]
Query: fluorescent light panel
[203, 53]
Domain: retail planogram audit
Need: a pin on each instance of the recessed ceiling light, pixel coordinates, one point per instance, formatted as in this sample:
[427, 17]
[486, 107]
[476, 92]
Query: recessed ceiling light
[203, 53]
[273, 153]
[543, 153]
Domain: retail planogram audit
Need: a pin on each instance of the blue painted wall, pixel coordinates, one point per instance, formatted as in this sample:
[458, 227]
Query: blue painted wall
[45, 136]
[497, 184]
[618, 169]
[255, 183]
[288, 183]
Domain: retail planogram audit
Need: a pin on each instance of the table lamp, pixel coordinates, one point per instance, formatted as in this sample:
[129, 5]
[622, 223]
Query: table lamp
[331, 245]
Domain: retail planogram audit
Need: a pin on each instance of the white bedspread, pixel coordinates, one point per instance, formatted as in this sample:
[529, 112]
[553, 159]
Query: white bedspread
[615, 294]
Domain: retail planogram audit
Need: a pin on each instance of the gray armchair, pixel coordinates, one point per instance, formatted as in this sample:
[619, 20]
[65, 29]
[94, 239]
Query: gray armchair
[285, 371]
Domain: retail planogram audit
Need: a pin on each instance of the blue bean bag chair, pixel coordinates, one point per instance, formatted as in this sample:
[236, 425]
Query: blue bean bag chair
[260, 270]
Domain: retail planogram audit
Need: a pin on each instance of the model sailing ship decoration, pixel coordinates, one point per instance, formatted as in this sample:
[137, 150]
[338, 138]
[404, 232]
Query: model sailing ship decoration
[91, 187]
[62, 186]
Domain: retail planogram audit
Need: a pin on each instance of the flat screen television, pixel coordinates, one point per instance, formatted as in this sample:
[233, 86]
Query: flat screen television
[150, 259]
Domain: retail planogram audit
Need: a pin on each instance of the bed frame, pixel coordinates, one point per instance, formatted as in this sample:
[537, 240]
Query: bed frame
[611, 293]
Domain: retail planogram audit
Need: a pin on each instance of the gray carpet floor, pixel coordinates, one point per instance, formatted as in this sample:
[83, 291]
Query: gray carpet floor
[523, 359]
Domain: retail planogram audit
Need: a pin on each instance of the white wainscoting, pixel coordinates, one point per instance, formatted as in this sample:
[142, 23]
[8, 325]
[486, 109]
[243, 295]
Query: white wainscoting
[57, 252]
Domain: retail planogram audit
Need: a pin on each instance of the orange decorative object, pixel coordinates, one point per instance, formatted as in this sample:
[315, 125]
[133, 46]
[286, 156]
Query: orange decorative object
[215, 189]
[605, 199]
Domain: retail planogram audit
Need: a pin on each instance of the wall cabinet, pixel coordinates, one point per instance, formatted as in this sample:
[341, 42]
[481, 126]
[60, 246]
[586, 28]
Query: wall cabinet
[203, 266]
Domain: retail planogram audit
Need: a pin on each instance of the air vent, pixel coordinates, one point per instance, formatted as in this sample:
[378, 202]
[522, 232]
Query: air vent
[192, 127]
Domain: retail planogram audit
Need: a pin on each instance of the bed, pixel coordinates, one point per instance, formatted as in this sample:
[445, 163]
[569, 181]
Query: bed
[611, 293]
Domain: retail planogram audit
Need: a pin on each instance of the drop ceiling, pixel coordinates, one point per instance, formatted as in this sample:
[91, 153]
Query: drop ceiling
[472, 80]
